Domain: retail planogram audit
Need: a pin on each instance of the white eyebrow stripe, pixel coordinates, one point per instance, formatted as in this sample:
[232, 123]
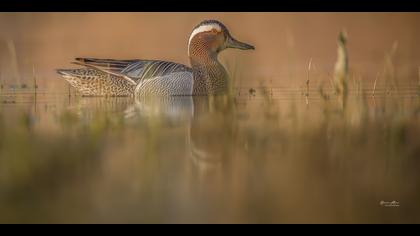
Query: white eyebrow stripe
[203, 28]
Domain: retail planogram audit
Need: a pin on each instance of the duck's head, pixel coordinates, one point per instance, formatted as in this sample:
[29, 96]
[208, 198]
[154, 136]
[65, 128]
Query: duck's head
[211, 36]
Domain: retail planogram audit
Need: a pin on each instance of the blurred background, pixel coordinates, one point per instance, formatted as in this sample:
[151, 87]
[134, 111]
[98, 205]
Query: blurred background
[285, 151]
[285, 42]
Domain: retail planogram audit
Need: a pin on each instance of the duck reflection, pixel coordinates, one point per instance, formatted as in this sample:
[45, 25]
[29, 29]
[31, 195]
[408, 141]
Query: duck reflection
[211, 132]
[87, 108]
[176, 110]
[208, 121]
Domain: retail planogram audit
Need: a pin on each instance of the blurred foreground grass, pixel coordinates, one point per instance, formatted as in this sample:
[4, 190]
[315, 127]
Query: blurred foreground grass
[253, 160]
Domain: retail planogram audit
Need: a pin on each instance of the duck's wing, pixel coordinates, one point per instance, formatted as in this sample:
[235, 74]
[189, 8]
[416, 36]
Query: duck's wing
[146, 69]
[108, 64]
[136, 69]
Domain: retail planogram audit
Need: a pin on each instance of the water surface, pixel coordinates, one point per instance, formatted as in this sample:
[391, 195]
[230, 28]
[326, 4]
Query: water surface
[272, 155]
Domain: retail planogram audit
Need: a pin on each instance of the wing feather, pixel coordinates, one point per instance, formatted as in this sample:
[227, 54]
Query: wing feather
[134, 70]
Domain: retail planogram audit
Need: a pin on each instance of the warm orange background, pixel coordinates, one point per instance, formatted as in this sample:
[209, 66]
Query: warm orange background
[284, 42]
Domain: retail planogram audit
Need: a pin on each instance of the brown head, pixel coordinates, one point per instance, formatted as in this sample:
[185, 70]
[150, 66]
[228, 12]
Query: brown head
[211, 37]
[206, 41]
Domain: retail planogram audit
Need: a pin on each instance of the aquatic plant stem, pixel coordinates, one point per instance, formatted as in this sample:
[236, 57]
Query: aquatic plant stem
[418, 83]
[35, 83]
[307, 82]
[374, 85]
[1, 82]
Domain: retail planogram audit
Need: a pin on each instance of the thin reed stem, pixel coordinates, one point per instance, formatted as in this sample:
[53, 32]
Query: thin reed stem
[374, 85]
[1, 82]
[307, 82]
[34, 80]
[418, 82]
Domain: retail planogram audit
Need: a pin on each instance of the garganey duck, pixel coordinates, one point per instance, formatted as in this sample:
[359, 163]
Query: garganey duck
[109, 77]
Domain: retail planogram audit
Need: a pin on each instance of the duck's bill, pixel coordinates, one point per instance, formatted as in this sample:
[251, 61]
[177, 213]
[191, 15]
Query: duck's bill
[233, 43]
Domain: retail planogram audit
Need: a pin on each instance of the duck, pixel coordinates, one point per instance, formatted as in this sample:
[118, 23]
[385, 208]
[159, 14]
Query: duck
[142, 77]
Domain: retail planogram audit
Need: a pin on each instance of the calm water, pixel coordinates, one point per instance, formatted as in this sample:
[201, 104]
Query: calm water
[268, 156]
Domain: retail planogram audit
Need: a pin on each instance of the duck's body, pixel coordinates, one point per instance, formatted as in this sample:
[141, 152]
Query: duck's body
[108, 77]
